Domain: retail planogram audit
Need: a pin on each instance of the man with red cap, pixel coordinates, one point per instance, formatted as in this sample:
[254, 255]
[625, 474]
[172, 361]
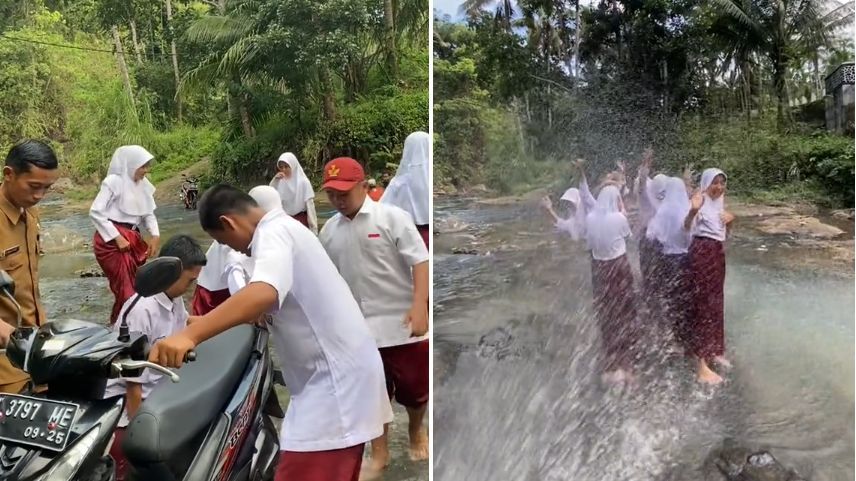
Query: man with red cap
[382, 257]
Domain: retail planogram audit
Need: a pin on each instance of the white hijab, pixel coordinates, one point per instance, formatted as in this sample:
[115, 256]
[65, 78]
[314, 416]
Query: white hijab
[267, 197]
[296, 190]
[667, 226]
[135, 198]
[219, 259]
[606, 226]
[410, 189]
[575, 226]
[708, 222]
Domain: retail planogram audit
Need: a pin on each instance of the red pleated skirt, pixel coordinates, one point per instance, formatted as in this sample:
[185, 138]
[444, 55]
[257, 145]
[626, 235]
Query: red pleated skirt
[615, 311]
[706, 327]
[302, 217]
[119, 267]
[205, 301]
[425, 232]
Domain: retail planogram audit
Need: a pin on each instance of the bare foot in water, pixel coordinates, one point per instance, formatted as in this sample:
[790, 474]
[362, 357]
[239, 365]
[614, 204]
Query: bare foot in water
[706, 375]
[373, 468]
[419, 445]
[722, 361]
[613, 377]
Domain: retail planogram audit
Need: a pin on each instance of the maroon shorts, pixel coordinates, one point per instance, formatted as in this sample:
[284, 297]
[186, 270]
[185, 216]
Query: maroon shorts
[122, 466]
[336, 465]
[406, 370]
[425, 232]
[302, 217]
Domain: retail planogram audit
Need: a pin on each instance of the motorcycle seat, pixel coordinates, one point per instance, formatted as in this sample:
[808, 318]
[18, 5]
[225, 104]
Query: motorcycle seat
[176, 413]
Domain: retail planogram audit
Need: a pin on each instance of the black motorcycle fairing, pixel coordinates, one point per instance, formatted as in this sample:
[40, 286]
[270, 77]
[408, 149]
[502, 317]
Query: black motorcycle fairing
[19, 463]
[72, 349]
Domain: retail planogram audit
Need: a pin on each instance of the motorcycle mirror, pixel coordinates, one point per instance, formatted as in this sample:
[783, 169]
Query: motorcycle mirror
[152, 278]
[157, 275]
[7, 283]
[7, 287]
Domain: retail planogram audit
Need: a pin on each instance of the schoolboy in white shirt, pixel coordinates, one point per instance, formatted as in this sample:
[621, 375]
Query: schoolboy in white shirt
[380, 253]
[328, 357]
[157, 317]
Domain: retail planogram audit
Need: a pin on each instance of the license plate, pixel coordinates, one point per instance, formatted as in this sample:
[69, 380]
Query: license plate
[36, 422]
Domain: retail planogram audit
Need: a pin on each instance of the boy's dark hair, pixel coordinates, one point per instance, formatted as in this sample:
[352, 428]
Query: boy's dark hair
[220, 200]
[28, 153]
[186, 249]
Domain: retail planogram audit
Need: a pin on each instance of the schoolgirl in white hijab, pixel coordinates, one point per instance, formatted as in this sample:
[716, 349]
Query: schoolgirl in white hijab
[606, 227]
[667, 226]
[708, 221]
[124, 203]
[295, 191]
[575, 224]
[409, 189]
[612, 284]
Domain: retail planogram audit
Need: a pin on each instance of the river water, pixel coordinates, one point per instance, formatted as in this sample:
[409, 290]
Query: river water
[67, 238]
[528, 404]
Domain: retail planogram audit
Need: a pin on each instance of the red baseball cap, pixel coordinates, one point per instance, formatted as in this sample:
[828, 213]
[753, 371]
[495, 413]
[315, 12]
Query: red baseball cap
[342, 174]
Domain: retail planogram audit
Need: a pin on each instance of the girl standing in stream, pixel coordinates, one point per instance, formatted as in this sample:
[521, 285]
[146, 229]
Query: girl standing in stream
[295, 190]
[124, 203]
[612, 284]
[708, 221]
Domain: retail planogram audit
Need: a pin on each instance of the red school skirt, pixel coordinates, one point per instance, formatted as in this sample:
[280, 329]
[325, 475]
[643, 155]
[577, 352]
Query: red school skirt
[119, 267]
[706, 327]
[205, 301]
[615, 311]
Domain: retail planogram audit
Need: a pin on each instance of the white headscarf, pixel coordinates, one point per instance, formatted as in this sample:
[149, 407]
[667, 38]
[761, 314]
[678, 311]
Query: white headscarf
[667, 226]
[409, 189]
[606, 226]
[575, 226]
[708, 221]
[296, 190]
[219, 259]
[266, 196]
[135, 198]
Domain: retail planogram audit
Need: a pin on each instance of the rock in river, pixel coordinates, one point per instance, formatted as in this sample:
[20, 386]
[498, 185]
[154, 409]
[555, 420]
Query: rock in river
[738, 463]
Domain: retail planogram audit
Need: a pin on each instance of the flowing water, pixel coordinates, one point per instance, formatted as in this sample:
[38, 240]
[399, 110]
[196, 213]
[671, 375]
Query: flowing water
[67, 239]
[517, 389]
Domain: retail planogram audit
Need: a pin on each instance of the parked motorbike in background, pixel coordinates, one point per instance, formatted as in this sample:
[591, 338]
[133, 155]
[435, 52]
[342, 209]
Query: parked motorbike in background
[189, 192]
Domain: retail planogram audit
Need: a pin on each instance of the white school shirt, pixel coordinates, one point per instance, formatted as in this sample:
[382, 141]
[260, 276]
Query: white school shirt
[222, 263]
[329, 359]
[375, 253]
[105, 208]
[157, 317]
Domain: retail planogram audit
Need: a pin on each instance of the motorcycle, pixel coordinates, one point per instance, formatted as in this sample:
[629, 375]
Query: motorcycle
[189, 192]
[211, 423]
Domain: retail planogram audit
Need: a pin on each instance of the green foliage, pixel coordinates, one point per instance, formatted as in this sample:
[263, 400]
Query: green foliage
[820, 166]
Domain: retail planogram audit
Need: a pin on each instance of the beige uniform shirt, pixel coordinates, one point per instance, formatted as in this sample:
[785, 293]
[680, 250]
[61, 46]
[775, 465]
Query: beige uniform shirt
[19, 257]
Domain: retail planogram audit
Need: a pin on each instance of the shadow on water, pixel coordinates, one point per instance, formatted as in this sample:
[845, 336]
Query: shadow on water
[67, 239]
[517, 388]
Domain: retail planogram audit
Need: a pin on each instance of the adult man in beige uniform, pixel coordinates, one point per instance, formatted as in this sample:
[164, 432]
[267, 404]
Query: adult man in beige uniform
[30, 170]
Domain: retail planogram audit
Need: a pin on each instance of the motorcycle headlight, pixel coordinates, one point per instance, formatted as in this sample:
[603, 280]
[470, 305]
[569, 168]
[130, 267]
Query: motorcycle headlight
[66, 466]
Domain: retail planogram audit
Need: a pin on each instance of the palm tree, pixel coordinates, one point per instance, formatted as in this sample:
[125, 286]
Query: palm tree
[779, 30]
[231, 34]
[504, 11]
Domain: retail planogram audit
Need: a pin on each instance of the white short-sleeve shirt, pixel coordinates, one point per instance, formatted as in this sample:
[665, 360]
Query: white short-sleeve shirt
[329, 359]
[105, 208]
[157, 317]
[375, 253]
